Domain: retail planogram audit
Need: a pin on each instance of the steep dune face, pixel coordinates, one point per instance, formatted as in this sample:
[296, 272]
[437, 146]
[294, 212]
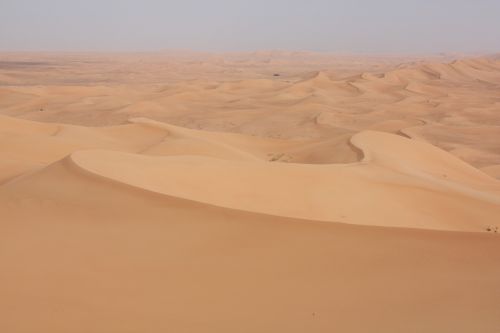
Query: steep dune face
[393, 181]
[267, 194]
[385, 189]
[97, 251]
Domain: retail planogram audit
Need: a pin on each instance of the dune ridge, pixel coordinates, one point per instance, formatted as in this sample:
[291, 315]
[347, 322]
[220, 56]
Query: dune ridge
[235, 93]
[265, 192]
[200, 256]
[392, 175]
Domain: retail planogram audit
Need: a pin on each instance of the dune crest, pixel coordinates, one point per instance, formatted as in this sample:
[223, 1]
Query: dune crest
[265, 192]
[392, 176]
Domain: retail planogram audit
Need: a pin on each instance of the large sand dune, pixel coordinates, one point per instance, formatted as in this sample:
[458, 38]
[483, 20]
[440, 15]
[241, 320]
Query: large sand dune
[347, 194]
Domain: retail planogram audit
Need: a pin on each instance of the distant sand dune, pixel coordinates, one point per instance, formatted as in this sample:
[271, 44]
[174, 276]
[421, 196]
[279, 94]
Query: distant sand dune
[265, 192]
[246, 97]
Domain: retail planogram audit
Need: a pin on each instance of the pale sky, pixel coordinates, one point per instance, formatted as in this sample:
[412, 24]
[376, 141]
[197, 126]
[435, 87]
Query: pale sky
[361, 26]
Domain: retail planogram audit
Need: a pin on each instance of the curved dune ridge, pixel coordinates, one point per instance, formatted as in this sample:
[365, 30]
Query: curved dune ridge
[189, 242]
[91, 246]
[170, 241]
[310, 201]
[312, 96]
[391, 177]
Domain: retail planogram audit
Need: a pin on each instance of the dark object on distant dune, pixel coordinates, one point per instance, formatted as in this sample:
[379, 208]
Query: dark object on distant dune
[492, 229]
[22, 64]
[277, 74]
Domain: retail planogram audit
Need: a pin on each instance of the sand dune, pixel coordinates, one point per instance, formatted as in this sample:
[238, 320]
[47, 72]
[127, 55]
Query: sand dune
[455, 196]
[391, 176]
[264, 192]
[101, 251]
[237, 93]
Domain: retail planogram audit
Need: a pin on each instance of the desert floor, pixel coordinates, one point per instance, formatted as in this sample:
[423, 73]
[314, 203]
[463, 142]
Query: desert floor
[249, 192]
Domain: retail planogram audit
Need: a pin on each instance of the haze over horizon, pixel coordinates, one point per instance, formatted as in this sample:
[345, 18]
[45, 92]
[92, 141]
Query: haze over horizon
[362, 26]
[224, 166]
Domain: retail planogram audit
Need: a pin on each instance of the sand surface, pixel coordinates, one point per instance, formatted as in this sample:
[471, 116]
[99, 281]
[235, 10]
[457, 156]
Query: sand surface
[264, 192]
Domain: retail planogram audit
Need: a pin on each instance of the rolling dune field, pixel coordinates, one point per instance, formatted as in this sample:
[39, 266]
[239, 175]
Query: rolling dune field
[249, 192]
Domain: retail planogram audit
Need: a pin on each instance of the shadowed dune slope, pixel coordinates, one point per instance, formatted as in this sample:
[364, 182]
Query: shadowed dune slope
[36, 144]
[313, 97]
[396, 182]
[272, 192]
[426, 189]
[95, 250]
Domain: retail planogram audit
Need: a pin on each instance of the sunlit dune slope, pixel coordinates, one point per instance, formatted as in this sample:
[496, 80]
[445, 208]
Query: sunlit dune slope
[94, 249]
[272, 192]
[448, 101]
[395, 181]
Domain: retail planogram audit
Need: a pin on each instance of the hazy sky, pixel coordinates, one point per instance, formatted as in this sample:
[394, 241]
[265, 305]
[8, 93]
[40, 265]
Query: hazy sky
[376, 26]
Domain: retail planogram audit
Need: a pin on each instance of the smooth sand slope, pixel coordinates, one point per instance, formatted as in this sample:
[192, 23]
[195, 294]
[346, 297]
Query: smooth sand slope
[117, 239]
[319, 200]
[396, 181]
[449, 101]
[83, 253]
